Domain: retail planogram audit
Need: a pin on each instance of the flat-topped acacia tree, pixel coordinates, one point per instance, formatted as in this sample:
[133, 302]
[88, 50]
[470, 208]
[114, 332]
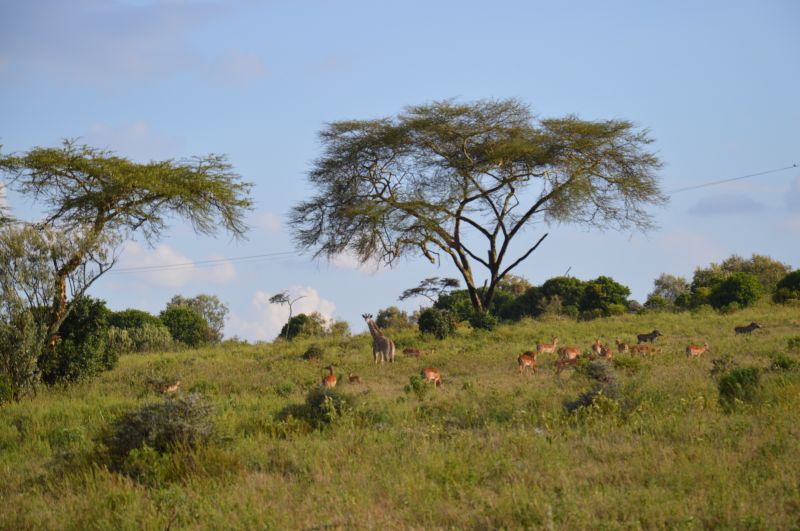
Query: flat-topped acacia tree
[95, 199]
[467, 179]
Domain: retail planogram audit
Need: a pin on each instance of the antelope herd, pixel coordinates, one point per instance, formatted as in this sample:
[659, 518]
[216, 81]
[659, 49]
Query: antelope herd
[383, 350]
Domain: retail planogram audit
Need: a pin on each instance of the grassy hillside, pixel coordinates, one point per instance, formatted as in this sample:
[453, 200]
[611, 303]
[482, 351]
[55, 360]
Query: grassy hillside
[490, 449]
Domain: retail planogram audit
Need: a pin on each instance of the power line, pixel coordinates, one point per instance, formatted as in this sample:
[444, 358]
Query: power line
[205, 263]
[748, 176]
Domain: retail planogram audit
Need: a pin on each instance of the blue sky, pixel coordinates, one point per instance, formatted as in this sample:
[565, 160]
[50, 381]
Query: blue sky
[716, 84]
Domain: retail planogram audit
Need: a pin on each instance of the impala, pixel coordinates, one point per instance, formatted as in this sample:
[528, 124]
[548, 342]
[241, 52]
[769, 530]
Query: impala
[429, 374]
[567, 356]
[330, 379]
[693, 351]
[549, 348]
[621, 347]
[527, 360]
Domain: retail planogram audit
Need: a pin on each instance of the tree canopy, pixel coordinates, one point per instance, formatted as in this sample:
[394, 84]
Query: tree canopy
[96, 198]
[464, 180]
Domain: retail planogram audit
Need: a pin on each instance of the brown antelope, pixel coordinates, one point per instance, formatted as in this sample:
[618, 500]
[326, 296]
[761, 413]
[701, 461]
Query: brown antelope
[606, 352]
[380, 343]
[354, 378]
[412, 352]
[548, 348]
[693, 351]
[330, 379]
[172, 388]
[567, 356]
[597, 347]
[527, 360]
[643, 348]
[429, 374]
[621, 347]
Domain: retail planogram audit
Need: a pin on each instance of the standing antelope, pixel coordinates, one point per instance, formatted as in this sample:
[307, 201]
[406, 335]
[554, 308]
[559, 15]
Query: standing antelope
[380, 343]
[549, 348]
[567, 356]
[429, 374]
[330, 379]
[527, 360]
[693, 351]
[606, 352]
[621, 347]
[597, 347]
[412, 352]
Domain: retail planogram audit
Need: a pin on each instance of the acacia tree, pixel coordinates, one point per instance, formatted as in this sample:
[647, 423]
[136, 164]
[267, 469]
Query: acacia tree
[96, 199]
[465, 181]
[283, 298]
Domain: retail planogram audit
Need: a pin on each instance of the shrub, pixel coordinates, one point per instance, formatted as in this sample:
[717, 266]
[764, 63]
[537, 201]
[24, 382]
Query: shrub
[483, 321]
[739, 385]
[788, 287]
[601, 293]
[740, 288]
[150, 338]
[130, 318]
[6, 393]
[303, 325]
[437, 322]
[568, 289]
[457, 303]
[21, 339]
[604, 384]
[393, 317]
[119, 341]
[322, 406]
[161, 426]
[210, 308]
[793, 343]
[313, 352]
[782, 362]
[82, 350]
[722, 365]
[185, 325]
[418, 386]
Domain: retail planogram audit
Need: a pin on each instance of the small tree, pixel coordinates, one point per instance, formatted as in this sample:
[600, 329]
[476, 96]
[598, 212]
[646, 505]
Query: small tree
[788, 287]
[303, 325]
[603, 295]
[668, 288]
[283, 298]
[739, 288]
[208, 306]
[393, 317]
[185, 325]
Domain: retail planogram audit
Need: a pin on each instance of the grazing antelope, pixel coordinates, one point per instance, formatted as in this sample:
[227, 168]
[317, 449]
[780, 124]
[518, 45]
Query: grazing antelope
[693, 351]
[354, 378]
[567, 356]
[172, 388]
[429, 374]
[412, 352]
[644, 348]
[380, 343]
[527, 360]
[330, 379]
[746, 329]
[648, 338]
[549, 348]
[621, 347]
[606, 352]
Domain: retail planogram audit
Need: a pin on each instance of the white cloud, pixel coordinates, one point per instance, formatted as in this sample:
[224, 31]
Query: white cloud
[348, 260]
[136, 141]
[269, 223]
[168, 268]
[265, 320]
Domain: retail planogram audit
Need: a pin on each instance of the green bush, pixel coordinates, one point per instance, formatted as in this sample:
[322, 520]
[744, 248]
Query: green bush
[130, 318]
[313, 352]
[303, 325]
[6, 393]
[150, 338]
[82, 350]
[161, 426]
[604, 383]
[322, 406]
[740, 288]
[739, 385]
[393, 317]
[438, 323]
[418, 386]
[722, 365]
[793, 344]
[119, 341]
[185, 325]
[600, 294]
[483, 321]
[782, 362]
[788, 287]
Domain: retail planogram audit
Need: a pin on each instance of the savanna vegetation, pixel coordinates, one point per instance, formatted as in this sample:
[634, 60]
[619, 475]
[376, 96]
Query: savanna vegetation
[250, 439]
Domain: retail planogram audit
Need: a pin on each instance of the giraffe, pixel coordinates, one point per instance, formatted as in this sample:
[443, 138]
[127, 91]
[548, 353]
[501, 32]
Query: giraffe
[380, 343]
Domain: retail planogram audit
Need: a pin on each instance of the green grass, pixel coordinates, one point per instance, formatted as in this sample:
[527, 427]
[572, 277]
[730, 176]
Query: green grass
[492, 449]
